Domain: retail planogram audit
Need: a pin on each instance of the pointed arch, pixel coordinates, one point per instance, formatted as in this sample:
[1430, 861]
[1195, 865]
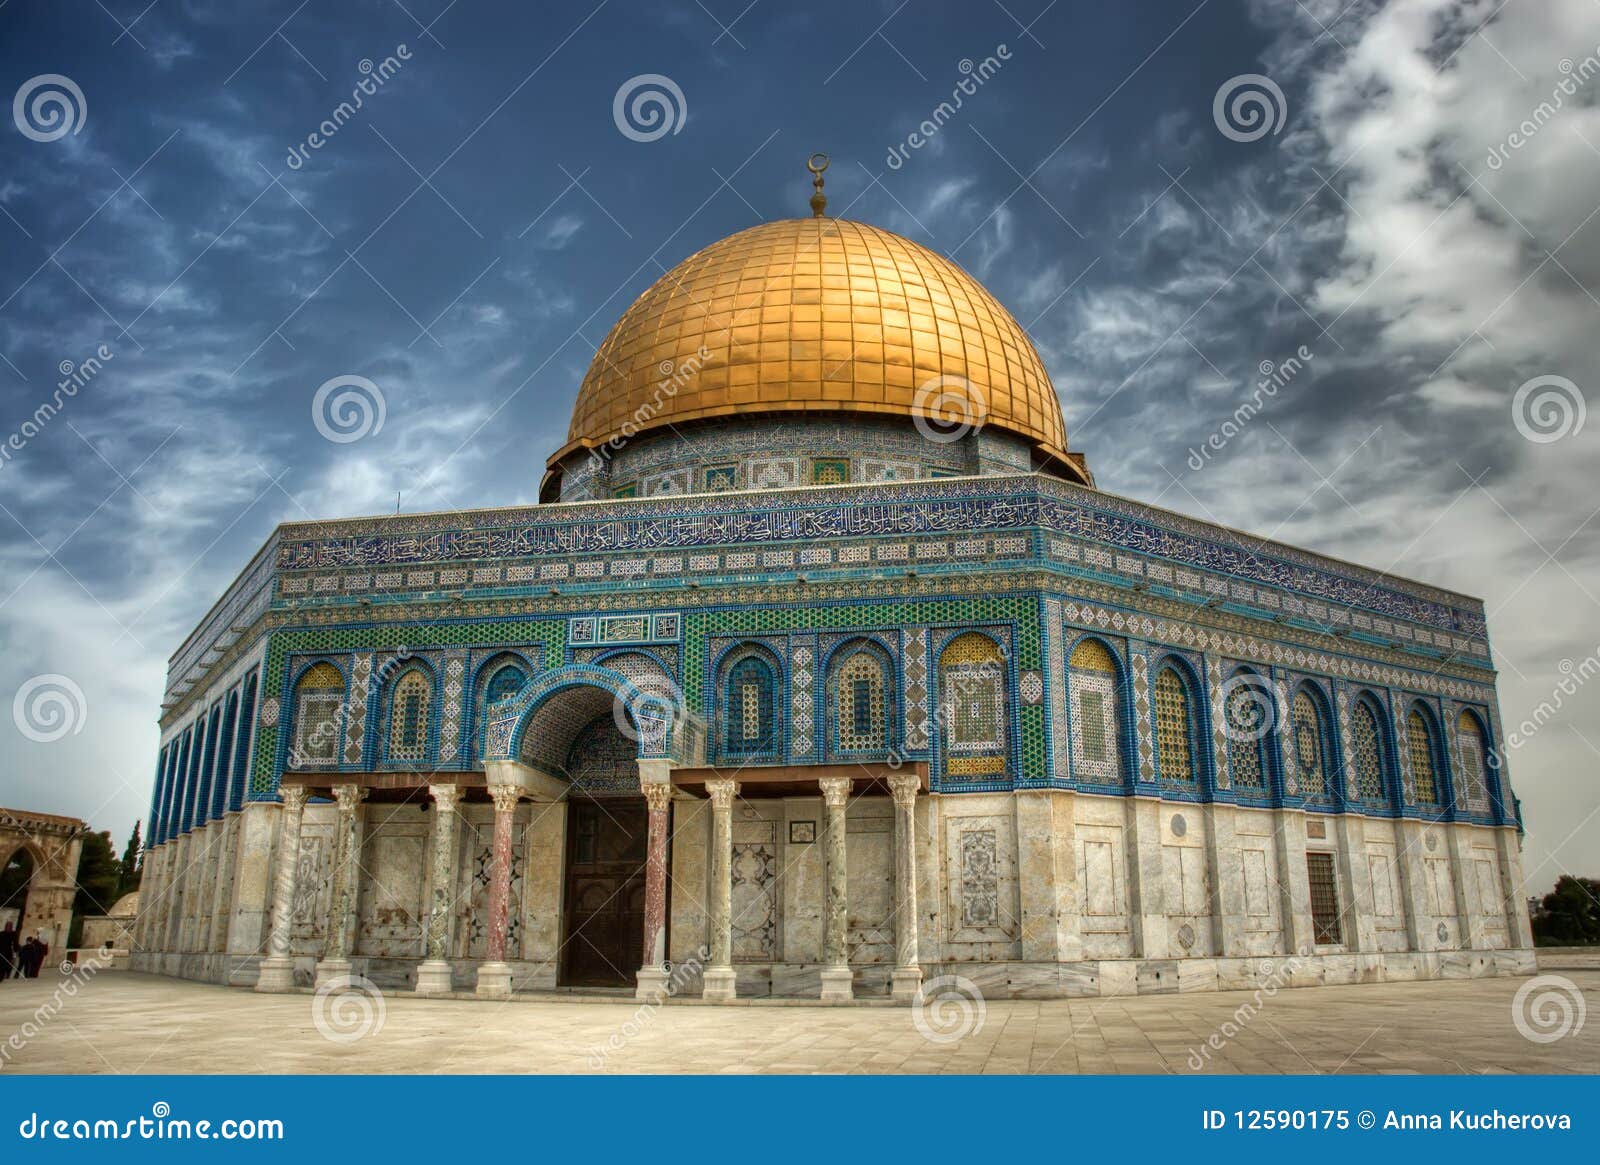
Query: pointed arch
[319, 696]
[1097, 712]
[410, 707]
[1472, 745]
[751, 704]
[501, 677]
[1422, 742]
[974, 713]
[1249, 715]
[1311, 741]
[861, 699]
[1178, 722]
[1372, 765]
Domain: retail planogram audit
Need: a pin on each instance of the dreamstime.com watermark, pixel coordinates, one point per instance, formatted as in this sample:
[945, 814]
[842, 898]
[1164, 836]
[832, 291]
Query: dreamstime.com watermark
[348, 408]
[49, 107]
[1274, 377]
[1248, 107]
[75, 977]
[1576, 77]
[950, 1008]
[1548, 408]
[1548, 1008]
[674, 375]
[160, 1125]
[348, 1008]
[73, 378]
[1573, 677]
[973, 76]
[1278, 976]
[679, 975]
[649, 106]
[49, 707]
[373, 78]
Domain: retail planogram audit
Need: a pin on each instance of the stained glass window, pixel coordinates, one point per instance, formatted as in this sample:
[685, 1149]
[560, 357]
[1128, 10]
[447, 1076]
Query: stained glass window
[318, 702]
[1095, 719]
[860, 695]
[1245, 722]
[1368, 745]
[408, 717]
[1470, 744]
[973, 705]
[751, 727]
[1419, 745]
[1174, 739]
[1306, 725]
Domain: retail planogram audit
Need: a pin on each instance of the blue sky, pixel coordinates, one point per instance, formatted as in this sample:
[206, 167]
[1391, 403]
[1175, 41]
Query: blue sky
[467, 237]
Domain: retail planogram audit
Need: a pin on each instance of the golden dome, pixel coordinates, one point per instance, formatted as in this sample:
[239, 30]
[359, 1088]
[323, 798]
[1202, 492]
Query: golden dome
[816, 315]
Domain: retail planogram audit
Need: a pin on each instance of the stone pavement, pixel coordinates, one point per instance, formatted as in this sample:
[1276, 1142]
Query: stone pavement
[122, 1022]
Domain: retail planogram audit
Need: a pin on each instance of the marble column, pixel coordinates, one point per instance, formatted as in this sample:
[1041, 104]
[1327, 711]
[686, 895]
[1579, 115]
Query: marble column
[836, 975]
[494, 975]
[335, 961]
[906, 979]
[718, 979]
[277, 969]
[433, 975]
[652, 980]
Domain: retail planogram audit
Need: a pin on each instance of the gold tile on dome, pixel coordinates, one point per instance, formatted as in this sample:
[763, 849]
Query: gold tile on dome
[815, 313]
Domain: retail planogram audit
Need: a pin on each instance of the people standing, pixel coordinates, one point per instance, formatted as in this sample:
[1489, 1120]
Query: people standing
[8, 952]
[34, 952]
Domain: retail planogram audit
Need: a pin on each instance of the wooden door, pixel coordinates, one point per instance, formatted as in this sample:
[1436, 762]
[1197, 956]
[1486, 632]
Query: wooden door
[603, 926]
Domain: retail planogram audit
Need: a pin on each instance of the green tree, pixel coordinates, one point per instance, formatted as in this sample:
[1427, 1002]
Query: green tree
[99, 873]
[1569, 914]
[132, 864]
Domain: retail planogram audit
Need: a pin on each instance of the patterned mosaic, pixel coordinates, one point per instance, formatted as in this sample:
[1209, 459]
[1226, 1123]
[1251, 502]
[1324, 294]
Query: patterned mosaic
[1174, 728]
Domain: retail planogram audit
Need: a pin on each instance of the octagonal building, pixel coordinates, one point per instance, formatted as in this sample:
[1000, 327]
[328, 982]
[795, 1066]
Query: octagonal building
[822, 669]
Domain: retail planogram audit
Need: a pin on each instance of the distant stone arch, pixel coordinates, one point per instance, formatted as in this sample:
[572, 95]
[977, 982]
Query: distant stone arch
[53, 844]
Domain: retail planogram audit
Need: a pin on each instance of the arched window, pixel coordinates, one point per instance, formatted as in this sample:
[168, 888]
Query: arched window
[860, 694]
[1096, 714]
[1248, 713]
[1175, 751]
[318, 702]
[972, 679]
[1421, 750]
[751, 708]
[1472, 745]
[1366, 737]
[1308, 730]
[409, 707]
[501, 683]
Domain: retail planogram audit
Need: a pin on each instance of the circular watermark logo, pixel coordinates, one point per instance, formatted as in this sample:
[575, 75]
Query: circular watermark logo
[1248, 107]
[1548, 1008]
[648, 107]
[951, 1009]
[1548, 408]
[348, 408]
[49, 107]
[645, 710]
[947, 408]
[348, 1008]
[1249, 709]
[49, 707]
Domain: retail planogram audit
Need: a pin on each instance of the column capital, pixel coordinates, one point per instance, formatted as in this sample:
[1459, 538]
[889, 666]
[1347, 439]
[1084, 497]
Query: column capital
[722, 792]
[445, 797]
[505, 797]
[657, 796]
[293, 797]
[835, 791]
[348, 797]
[905, 787]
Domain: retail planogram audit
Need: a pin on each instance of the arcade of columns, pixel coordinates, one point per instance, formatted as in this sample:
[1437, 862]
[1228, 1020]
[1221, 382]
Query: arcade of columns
[494, 974]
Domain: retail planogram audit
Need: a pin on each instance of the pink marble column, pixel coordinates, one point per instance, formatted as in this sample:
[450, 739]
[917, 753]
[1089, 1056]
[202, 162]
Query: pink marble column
[652, 979]
[494, 976]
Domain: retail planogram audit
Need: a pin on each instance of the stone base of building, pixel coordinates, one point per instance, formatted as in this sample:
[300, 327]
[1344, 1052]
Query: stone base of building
[992, 981]
[434, 978]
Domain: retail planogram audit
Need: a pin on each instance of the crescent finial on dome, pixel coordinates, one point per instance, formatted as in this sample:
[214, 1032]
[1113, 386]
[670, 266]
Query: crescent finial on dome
[819, 200]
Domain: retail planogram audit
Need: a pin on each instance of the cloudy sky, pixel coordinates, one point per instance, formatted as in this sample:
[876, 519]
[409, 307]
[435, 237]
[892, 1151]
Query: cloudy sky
[1415, 205]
